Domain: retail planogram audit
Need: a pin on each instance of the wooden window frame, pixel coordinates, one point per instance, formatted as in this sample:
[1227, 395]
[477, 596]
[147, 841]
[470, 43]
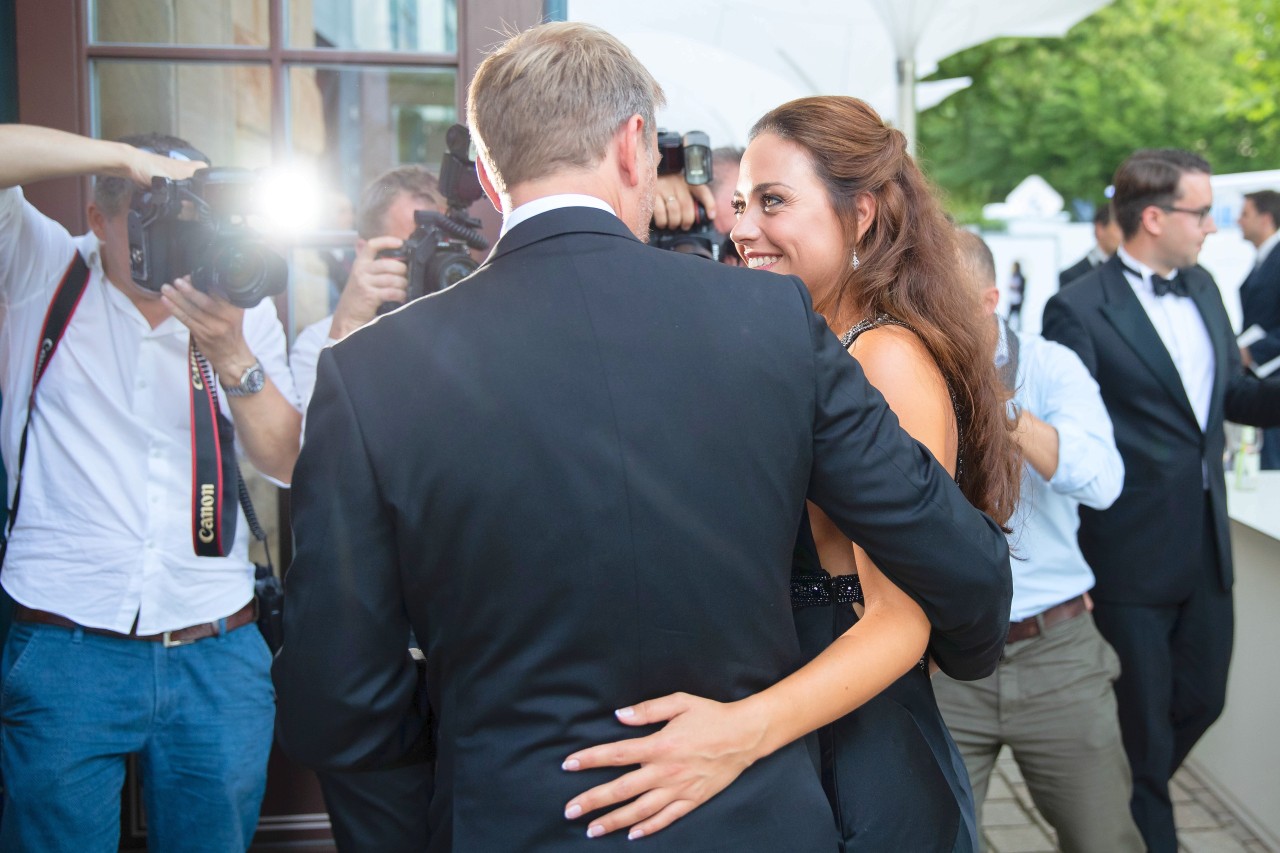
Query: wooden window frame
[54, 52]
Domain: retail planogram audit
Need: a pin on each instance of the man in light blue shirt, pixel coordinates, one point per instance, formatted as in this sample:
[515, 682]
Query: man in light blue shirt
[1051, 698]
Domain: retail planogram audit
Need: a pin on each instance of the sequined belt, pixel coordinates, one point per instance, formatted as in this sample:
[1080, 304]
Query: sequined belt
[821, 590]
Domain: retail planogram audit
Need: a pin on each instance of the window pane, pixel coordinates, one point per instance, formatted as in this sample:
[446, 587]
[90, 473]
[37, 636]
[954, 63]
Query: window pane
[355, 123]
[227, 22]
[424, 26]
[223, 110]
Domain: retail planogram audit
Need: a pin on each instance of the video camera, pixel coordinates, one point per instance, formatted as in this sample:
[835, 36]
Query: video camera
[199, 226]
[436, 252]
[690, 156]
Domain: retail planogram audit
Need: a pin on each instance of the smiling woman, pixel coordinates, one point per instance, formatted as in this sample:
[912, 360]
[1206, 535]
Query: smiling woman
[827, 192]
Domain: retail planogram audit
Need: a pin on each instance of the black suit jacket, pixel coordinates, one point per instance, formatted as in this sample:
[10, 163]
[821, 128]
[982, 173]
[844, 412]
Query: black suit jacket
[1077, 270]
[578, 475]
[1144, 548]
[1260, 302]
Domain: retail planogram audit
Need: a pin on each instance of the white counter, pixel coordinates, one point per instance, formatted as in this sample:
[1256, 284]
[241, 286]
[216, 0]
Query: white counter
[1239, 757]
[1257, 508]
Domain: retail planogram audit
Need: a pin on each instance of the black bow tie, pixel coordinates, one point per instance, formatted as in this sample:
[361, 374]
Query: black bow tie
[1161, 285]
[1176, 285]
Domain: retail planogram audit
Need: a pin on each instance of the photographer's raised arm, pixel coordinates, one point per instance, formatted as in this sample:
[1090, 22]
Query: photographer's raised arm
[29, 154]
[268, 427]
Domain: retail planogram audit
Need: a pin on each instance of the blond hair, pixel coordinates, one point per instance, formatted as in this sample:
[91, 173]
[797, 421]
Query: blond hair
[551, 98]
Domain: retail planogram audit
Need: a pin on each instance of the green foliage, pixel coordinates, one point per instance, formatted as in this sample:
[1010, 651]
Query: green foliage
[1197, 74]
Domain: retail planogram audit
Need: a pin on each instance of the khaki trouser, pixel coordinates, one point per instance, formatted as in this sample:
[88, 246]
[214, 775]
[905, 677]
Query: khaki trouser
[1051, 701]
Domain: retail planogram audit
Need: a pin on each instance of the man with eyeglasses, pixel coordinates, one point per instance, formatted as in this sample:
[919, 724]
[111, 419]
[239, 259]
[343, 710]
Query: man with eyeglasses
[1149, 324]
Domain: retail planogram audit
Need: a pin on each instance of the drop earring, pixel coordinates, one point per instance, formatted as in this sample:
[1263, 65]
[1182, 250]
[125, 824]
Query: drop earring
[856, 263]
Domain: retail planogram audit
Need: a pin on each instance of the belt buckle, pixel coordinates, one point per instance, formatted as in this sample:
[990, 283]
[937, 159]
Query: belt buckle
[169, 642]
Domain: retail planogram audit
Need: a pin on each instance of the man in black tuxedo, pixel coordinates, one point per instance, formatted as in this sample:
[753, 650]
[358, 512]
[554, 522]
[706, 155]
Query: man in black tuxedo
[580, 484]
[1260, 300]
[1106, 236]
[1150, 326]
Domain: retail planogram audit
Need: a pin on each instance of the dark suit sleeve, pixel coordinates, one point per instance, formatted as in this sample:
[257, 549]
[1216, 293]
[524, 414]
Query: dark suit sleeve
[886, 492]
[1250, 400]
[347, 689]
[1063, 325]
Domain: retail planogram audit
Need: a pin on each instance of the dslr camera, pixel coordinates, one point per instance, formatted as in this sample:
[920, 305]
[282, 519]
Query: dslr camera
[436, 252]
[690, 156]
[200, 226]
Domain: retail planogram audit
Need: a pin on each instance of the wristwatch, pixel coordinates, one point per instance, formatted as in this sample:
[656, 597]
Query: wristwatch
[251, 382]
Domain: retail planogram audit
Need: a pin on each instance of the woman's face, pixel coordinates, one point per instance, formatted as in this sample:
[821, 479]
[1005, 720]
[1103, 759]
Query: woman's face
[785, 221]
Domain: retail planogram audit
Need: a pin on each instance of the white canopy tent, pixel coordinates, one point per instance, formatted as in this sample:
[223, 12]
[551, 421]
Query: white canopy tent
[724, 63]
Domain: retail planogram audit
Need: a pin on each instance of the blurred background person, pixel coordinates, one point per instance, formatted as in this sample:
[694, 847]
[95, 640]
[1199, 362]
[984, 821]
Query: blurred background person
[1260, 300]
[1106, 237]
[1017, 289]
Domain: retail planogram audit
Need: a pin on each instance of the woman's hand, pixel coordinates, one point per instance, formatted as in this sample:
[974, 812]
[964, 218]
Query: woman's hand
[702, 749]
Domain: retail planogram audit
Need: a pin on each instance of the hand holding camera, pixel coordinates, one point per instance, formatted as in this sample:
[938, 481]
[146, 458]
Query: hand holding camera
[675, 204]
[216, 325]
[376, 278]
[684, 204]
[144, 165]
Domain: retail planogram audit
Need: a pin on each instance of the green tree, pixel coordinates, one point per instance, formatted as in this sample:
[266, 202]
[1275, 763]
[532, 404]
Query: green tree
[1193, 74]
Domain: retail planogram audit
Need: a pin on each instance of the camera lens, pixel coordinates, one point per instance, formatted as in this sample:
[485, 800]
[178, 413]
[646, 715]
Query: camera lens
[238, 271]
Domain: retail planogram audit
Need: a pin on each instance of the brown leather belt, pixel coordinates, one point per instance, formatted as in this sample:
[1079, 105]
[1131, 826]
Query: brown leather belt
[1030, 627]
[180, 637]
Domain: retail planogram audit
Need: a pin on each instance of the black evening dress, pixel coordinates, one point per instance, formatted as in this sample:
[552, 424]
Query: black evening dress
[894, 777]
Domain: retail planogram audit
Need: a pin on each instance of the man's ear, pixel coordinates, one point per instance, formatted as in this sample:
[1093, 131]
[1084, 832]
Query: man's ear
[1152, 220]
[635, 159]
[486, 184]
[97, 220]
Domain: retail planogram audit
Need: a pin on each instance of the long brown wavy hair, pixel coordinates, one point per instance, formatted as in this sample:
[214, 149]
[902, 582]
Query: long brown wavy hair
[908, 270]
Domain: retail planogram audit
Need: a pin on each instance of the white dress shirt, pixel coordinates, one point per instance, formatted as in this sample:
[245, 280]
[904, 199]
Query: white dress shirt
[1182, 330]
[1055, 386]
[104, 530]
[305, 355]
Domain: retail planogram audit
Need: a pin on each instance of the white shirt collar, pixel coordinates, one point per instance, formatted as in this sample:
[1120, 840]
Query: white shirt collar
[1144, 272]
[530, 209]
[1266, 247]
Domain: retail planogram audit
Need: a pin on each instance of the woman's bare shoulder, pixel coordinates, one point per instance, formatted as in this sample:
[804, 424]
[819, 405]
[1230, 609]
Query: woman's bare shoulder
[893, 354]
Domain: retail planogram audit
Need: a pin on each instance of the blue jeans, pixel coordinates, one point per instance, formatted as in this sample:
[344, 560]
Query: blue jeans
[75, 704]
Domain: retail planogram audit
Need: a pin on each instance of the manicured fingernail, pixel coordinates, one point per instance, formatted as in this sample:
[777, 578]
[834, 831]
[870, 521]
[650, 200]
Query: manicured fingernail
[573, 811]
[570, 764]
[595, 831]
[624, 713]
[634, 834]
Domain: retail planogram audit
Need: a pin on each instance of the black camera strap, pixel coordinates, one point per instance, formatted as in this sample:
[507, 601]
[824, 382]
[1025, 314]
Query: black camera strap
[56, 319]
[214, 472]
[216, 475]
